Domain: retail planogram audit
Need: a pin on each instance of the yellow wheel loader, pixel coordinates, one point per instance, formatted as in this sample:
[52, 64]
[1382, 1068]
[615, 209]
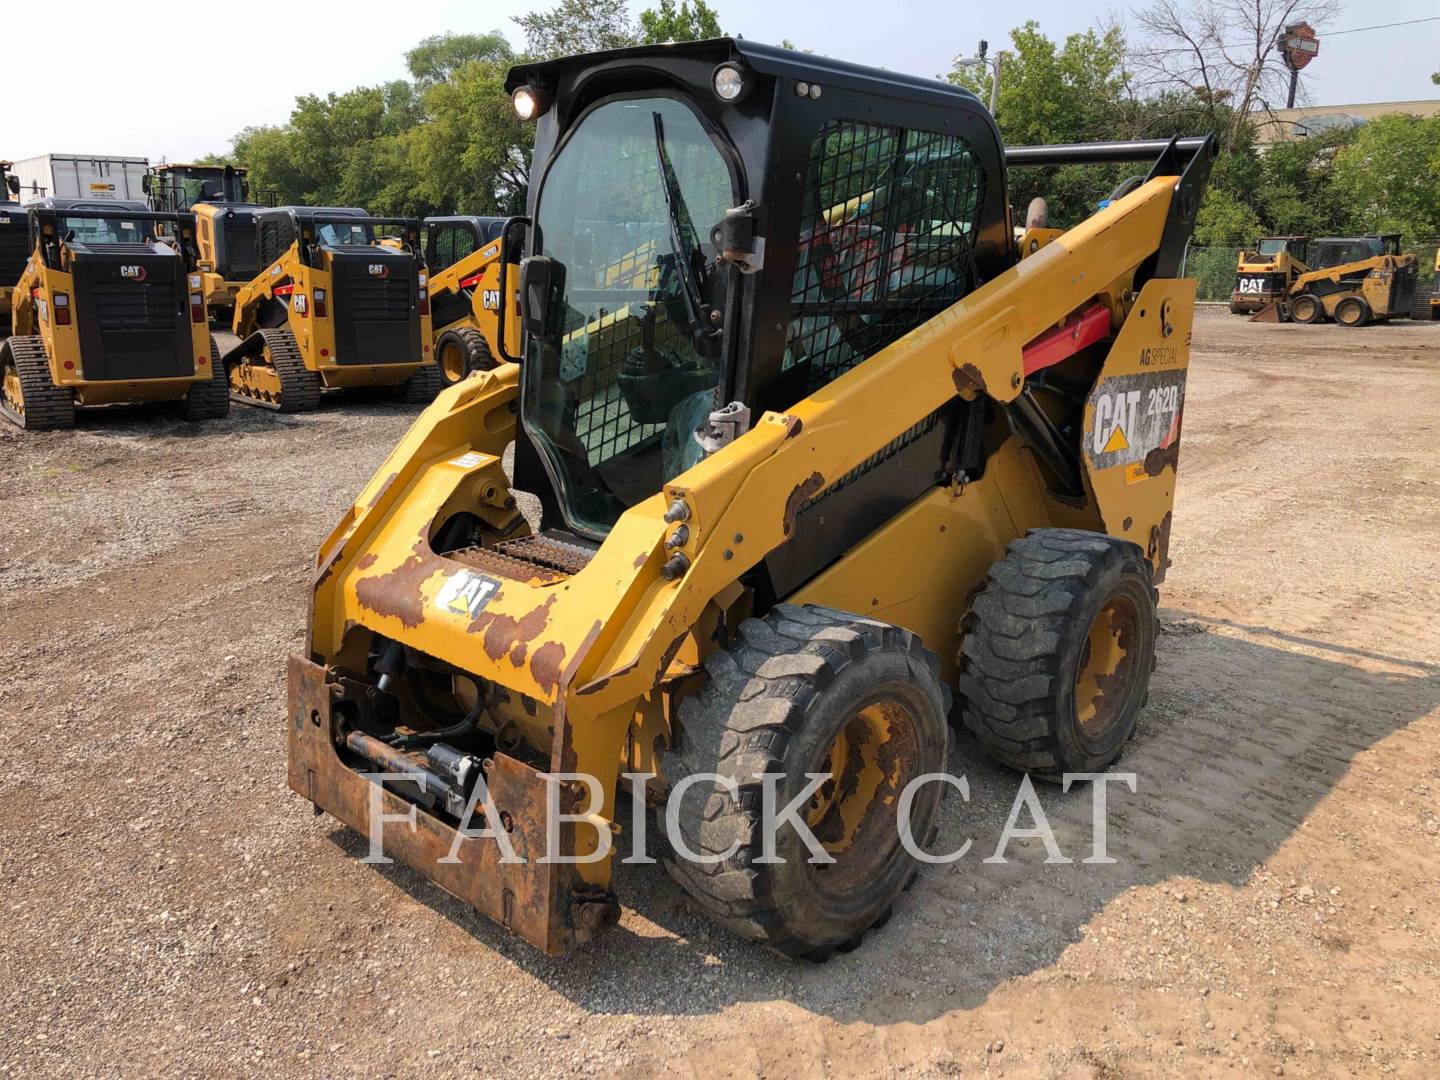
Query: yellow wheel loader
[811, 484]
[1264, 276]
[335, 305]
[1357, 280]
[219, 197]
[108, 310]
[470, 274]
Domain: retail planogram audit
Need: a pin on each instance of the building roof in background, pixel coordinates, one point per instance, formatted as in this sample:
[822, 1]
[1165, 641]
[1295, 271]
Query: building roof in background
[1285, 125]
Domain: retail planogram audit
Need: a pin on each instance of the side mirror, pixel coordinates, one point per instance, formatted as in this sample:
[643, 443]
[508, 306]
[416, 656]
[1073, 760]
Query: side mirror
[13, 183]
[147, 182]
[542, 282]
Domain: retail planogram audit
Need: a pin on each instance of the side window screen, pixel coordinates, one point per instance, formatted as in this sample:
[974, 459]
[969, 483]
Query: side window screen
[886, 242]
[462, 244]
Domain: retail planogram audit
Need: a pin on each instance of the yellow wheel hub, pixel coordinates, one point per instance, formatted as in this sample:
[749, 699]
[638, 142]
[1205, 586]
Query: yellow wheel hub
[1106, 667]
[859, 774]
[452, 362]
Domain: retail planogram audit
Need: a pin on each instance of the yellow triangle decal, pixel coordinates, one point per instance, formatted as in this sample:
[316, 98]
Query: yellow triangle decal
[1117, 441]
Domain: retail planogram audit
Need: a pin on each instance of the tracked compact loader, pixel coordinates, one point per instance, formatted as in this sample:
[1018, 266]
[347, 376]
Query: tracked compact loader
[337, 303]
[108, 310]
[819, 455]
[471, 271]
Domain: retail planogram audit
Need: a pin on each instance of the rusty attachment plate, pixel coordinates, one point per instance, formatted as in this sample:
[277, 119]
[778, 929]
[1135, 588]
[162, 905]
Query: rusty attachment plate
[537, 901]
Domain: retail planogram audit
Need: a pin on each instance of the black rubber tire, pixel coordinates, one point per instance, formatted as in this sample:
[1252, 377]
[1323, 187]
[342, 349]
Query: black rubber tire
[44, 406]
[1308, 305]
[209, 399]
[1238, 309]
[774, 701]
[1352, 303]
[1023, 641]
[473, 349]
[421, 387]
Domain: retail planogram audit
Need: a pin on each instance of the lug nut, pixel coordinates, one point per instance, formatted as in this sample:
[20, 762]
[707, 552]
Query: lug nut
[679, 538]
[676, 565]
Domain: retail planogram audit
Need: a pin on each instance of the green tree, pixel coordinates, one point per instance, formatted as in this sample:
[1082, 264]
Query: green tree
[1049, 93]
[438, 58]
[577, 26]
[1387, 175]
[669, 22]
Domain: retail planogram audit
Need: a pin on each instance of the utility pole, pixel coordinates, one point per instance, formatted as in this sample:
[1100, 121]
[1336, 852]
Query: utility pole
[994, 64]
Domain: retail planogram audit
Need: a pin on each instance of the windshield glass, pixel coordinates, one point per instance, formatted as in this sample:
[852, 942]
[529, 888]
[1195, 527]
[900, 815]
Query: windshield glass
[614, 397]
[1271, 246]
[342, 235]
[107, 230]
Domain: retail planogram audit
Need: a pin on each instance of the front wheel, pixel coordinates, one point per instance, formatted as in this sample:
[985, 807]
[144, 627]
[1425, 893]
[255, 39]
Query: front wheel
[460, 352]
[1306, 309]
[807, 690]
[1056, 651]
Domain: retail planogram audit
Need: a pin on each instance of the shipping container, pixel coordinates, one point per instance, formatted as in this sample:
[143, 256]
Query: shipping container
[77, 176]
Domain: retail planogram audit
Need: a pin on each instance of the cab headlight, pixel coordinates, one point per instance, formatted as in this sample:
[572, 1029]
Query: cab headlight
[730, 82]
[531, 102]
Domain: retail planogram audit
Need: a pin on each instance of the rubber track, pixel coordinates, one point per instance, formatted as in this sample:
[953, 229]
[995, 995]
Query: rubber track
[210, 399]
[47, 407]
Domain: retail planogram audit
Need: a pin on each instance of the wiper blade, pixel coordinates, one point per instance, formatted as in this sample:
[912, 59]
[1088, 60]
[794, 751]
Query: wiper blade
[681, 229]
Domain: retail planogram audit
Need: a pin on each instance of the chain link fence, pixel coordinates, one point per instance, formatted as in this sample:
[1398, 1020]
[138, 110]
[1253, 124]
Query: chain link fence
[1213, 267]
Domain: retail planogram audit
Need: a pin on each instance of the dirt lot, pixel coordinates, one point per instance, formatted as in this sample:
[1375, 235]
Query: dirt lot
[170, 909]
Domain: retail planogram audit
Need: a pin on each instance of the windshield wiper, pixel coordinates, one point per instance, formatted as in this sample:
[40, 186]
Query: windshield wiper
[696, 310]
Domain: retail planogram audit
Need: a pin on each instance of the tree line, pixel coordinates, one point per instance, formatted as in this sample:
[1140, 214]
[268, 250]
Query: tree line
[446, 140]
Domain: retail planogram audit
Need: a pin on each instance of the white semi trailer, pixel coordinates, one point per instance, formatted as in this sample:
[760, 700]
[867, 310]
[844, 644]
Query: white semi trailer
[80, 176]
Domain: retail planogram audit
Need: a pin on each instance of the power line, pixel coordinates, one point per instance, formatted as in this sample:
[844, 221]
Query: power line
[1382, 26]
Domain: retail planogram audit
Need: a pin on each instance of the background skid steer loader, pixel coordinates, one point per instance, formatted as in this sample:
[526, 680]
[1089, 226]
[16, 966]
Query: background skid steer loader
[336, 304]
[471, 271]
[807, 476]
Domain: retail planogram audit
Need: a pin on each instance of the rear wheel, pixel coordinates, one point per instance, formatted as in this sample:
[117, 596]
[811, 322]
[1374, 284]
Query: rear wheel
[804, 691]
[1352, 311]
[277, 377]
[28, 397]
[1306, 309]
[1056, 651]
[421, 387]
[209, 399]
[460, 352]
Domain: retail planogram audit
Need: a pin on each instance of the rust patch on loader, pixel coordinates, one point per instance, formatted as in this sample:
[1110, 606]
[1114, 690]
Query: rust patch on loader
[1159, 550]
[804, 491]
[366, 561]
[504, 632]
[793, 426]
[1157, 459]
[517, 654]
[398, 593]
[545, 665]
[968, 378]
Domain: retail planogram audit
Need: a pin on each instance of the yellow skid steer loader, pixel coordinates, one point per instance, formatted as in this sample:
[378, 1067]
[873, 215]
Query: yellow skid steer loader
[811, 482]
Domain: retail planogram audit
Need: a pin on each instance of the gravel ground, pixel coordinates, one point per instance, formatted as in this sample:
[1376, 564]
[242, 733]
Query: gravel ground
[171, 909]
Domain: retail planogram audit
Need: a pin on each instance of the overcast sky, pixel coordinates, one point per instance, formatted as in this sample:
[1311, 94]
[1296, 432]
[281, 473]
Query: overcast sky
[170, 102]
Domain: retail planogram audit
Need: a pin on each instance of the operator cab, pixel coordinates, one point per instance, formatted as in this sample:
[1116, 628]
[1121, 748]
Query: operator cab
[1270, 247]
[452, 238]
[1337, 251]
[725, 221]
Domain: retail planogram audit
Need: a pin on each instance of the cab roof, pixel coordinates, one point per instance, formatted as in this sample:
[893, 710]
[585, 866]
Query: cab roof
[50, 202]
[764, 59]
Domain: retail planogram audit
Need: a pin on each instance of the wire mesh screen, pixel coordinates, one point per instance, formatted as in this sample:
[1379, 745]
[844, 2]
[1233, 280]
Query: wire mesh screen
[889, 221]
[275, 235]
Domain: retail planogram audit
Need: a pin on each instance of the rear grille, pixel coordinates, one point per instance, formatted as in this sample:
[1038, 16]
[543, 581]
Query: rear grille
[380, 299]
[14, 251]
[240, 250]
[559, 555]
[134, 305]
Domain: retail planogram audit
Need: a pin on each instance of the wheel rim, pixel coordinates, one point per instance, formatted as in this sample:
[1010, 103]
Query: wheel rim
[1348, 314]
[1303, 310]
[1106, 670]
[13, 393]
[852, 813]
[452, 362]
